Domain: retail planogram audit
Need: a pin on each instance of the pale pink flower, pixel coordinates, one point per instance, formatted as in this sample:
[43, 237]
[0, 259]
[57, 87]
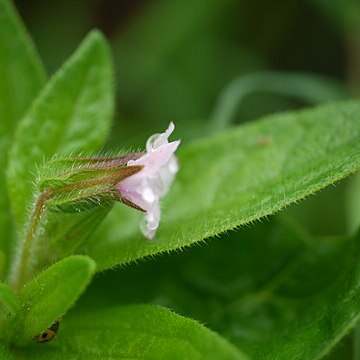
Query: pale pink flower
[145, 188]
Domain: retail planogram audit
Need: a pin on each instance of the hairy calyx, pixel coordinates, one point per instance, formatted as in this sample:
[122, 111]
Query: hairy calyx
[72, 189]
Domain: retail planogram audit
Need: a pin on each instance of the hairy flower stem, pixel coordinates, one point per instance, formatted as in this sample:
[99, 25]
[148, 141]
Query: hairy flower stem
[24, 262]
[26, 259]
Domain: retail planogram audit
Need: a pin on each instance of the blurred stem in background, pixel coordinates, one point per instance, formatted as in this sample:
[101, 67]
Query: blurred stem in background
[352, 28]
[309, 88]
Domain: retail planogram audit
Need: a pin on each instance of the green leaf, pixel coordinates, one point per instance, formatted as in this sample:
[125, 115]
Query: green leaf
[9, 312]
[142, 331]
[247, 258]
[8, 299]
[270, 289]
[2, 264]
[21, 71]
[71, 114]
[239, 176]
[22, 76]
[48, 296]
[63, 233]
[6, 354]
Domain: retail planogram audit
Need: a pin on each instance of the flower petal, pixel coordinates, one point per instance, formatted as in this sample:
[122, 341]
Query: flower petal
[146, 187]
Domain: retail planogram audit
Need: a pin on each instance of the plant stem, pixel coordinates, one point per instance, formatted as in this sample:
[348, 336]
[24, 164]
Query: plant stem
[25, 262]
[27, 257]
[309, 88]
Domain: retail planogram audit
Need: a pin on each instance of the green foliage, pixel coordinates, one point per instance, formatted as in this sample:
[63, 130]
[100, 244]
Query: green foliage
[71, 114]
[8, 299]
[5, 353]
[142, 331]
[176, 61]
[76, 186]
[50, 294]
[9, 312]
[160, 48]
[240, 176]
[2, 264]
[310, 88]
[82, 185]
[270, 289]
[22, 76]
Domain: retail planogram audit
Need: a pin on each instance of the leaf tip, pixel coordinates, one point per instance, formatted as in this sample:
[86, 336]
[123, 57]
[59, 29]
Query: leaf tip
[97, 39]
[85, 262]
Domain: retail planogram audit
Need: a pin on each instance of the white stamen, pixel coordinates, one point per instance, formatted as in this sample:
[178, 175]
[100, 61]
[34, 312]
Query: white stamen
[148, 195]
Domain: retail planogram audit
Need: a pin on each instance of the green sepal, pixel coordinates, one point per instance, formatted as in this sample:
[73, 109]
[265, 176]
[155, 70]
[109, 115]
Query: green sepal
[66, 170]
[81, 184]
[76, 196]
[89, 190]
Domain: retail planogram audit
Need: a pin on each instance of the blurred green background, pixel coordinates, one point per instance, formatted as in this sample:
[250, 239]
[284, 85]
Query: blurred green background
[176, 59]
[208, 64]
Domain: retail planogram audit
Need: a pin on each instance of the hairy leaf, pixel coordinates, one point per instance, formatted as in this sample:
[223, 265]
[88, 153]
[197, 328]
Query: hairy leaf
[8, 299]
[6, 354]
[22, 76]
[9, 312]
[143, 331]
[71, 114]
[239, 176]
[271, 290]
[49, 295]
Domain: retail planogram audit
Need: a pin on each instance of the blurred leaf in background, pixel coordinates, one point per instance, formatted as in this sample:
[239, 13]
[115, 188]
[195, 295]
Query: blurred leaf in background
[22, 76]
[174, 58]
